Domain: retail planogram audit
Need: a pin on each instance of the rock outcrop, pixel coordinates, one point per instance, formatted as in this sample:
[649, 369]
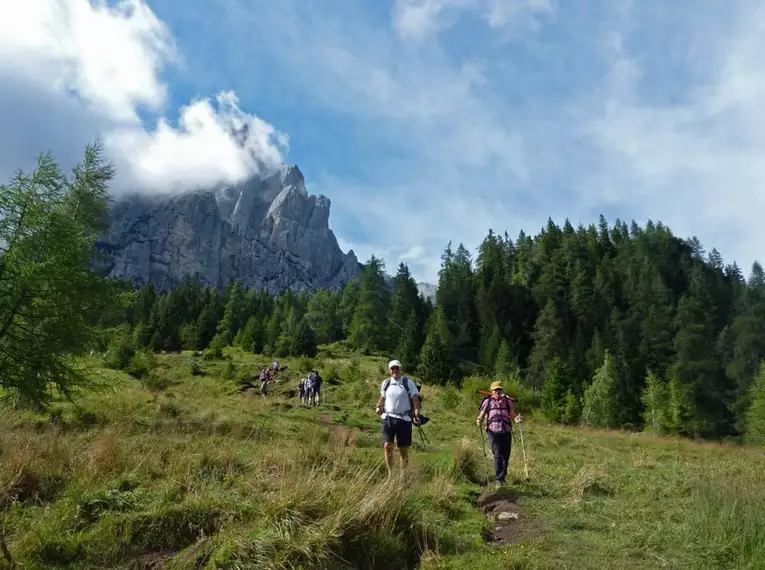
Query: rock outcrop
[267, 232]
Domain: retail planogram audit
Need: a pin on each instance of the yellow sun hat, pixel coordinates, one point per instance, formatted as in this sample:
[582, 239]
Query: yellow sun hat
[496, 385]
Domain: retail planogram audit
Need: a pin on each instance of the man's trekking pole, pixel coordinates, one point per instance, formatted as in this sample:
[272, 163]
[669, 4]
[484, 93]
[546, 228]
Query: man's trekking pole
[523, 447]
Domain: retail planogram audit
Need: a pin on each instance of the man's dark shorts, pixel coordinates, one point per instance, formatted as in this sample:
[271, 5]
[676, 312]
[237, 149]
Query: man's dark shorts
[400, 430]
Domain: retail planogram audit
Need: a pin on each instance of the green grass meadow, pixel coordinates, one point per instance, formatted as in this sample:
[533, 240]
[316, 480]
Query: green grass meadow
[180, 471]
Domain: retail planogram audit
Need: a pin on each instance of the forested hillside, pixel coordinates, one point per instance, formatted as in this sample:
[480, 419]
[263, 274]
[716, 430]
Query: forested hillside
[614, 326]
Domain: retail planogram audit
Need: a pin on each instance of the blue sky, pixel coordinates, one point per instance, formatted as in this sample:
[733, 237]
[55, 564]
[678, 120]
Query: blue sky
[425, 121]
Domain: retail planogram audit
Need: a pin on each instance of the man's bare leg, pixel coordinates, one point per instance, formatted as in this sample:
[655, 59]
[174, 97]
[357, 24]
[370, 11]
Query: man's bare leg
[388, 456]
[404, 451]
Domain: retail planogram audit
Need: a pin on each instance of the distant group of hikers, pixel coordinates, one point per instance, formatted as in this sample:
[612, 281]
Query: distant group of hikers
[309, 389]
[399, 407]
[268, 375]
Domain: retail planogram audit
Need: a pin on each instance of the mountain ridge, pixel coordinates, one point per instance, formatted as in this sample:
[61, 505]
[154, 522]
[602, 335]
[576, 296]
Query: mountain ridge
[267, 232]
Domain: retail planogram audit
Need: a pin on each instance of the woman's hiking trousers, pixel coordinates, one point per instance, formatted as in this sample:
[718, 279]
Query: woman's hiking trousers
[501, 444]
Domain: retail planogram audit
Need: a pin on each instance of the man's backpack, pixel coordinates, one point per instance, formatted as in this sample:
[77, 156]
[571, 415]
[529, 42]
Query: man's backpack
[405, 381]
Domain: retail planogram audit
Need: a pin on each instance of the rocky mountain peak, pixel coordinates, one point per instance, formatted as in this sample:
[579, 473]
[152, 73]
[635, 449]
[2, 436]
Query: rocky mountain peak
[267, 231]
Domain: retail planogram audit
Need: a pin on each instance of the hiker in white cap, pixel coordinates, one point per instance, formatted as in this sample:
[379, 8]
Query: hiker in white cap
[399, 408]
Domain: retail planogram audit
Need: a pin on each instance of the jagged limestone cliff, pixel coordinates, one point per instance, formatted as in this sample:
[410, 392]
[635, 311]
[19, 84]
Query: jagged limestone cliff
[267, 232]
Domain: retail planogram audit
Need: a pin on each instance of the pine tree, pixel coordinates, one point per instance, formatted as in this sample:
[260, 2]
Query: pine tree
[50, 295]
[572, 409]
[505, 363]
[303, 340]
[549, 343]
[755, 415]
[370, 328]
[407, 317]
[409, 343]
[275, 325]
[235, 314]
[188, 335]
[556, 388]
[324, 317]
[207, 321]
[600, 396]
[656, 400]
[251, 336]
[349, 298]
[455, 296]
[748, 342]
[437, 362]
[695, 369]
[490, 346]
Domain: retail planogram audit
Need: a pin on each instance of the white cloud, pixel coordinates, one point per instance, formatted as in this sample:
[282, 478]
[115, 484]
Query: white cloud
[109, 56]
[201, 151]
[418, 19]
[525, 13]
[107, 59]
[696, 165]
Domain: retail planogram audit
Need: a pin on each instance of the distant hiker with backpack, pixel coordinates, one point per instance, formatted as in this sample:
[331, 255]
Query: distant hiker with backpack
[399, 408]
[499, 408]
[265, 376]
[302, 393]
[315, 387]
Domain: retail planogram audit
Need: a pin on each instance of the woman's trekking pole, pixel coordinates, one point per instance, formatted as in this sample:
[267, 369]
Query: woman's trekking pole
[483, 442]
[523, 447]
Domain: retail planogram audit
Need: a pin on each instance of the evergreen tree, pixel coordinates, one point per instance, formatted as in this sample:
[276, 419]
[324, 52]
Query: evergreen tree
[505, 363]
[437, 361]
[234, 315]
[207, 321]
[455, 296]
[369, 327]
[407, 317]
[549, 343]
[50, 296]
[251, 337]
[696, 369]
[748, 342]
[323, 315]
[556, 389]
[656, 400]
[755, 416]
[303, 339]
[600, 396]
[348, 301]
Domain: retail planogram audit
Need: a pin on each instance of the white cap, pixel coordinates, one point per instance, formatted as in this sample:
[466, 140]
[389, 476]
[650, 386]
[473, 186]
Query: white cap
[393, 363]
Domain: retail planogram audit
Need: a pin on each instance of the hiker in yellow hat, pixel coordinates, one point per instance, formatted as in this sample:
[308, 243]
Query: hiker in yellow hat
[500, 410]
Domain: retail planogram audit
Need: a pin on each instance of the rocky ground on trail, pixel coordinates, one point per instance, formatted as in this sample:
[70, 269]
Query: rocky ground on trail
[501, 507]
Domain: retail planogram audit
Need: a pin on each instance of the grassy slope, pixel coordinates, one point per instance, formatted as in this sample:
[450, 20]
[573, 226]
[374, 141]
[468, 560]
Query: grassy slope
[194, 476]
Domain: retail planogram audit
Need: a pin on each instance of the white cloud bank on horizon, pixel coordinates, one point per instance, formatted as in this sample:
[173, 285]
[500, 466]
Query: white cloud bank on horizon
[102, 64]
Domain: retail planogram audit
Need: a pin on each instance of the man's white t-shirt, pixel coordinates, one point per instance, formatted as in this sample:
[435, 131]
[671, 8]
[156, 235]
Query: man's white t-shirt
[397, 402]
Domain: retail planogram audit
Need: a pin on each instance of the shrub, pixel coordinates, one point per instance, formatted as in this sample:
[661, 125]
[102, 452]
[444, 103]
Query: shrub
[141, 364]
[331, 375]
[305, 364]
[156, 382]
[450, 398]
[121, 350]
[215, 350]
[195, 368]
